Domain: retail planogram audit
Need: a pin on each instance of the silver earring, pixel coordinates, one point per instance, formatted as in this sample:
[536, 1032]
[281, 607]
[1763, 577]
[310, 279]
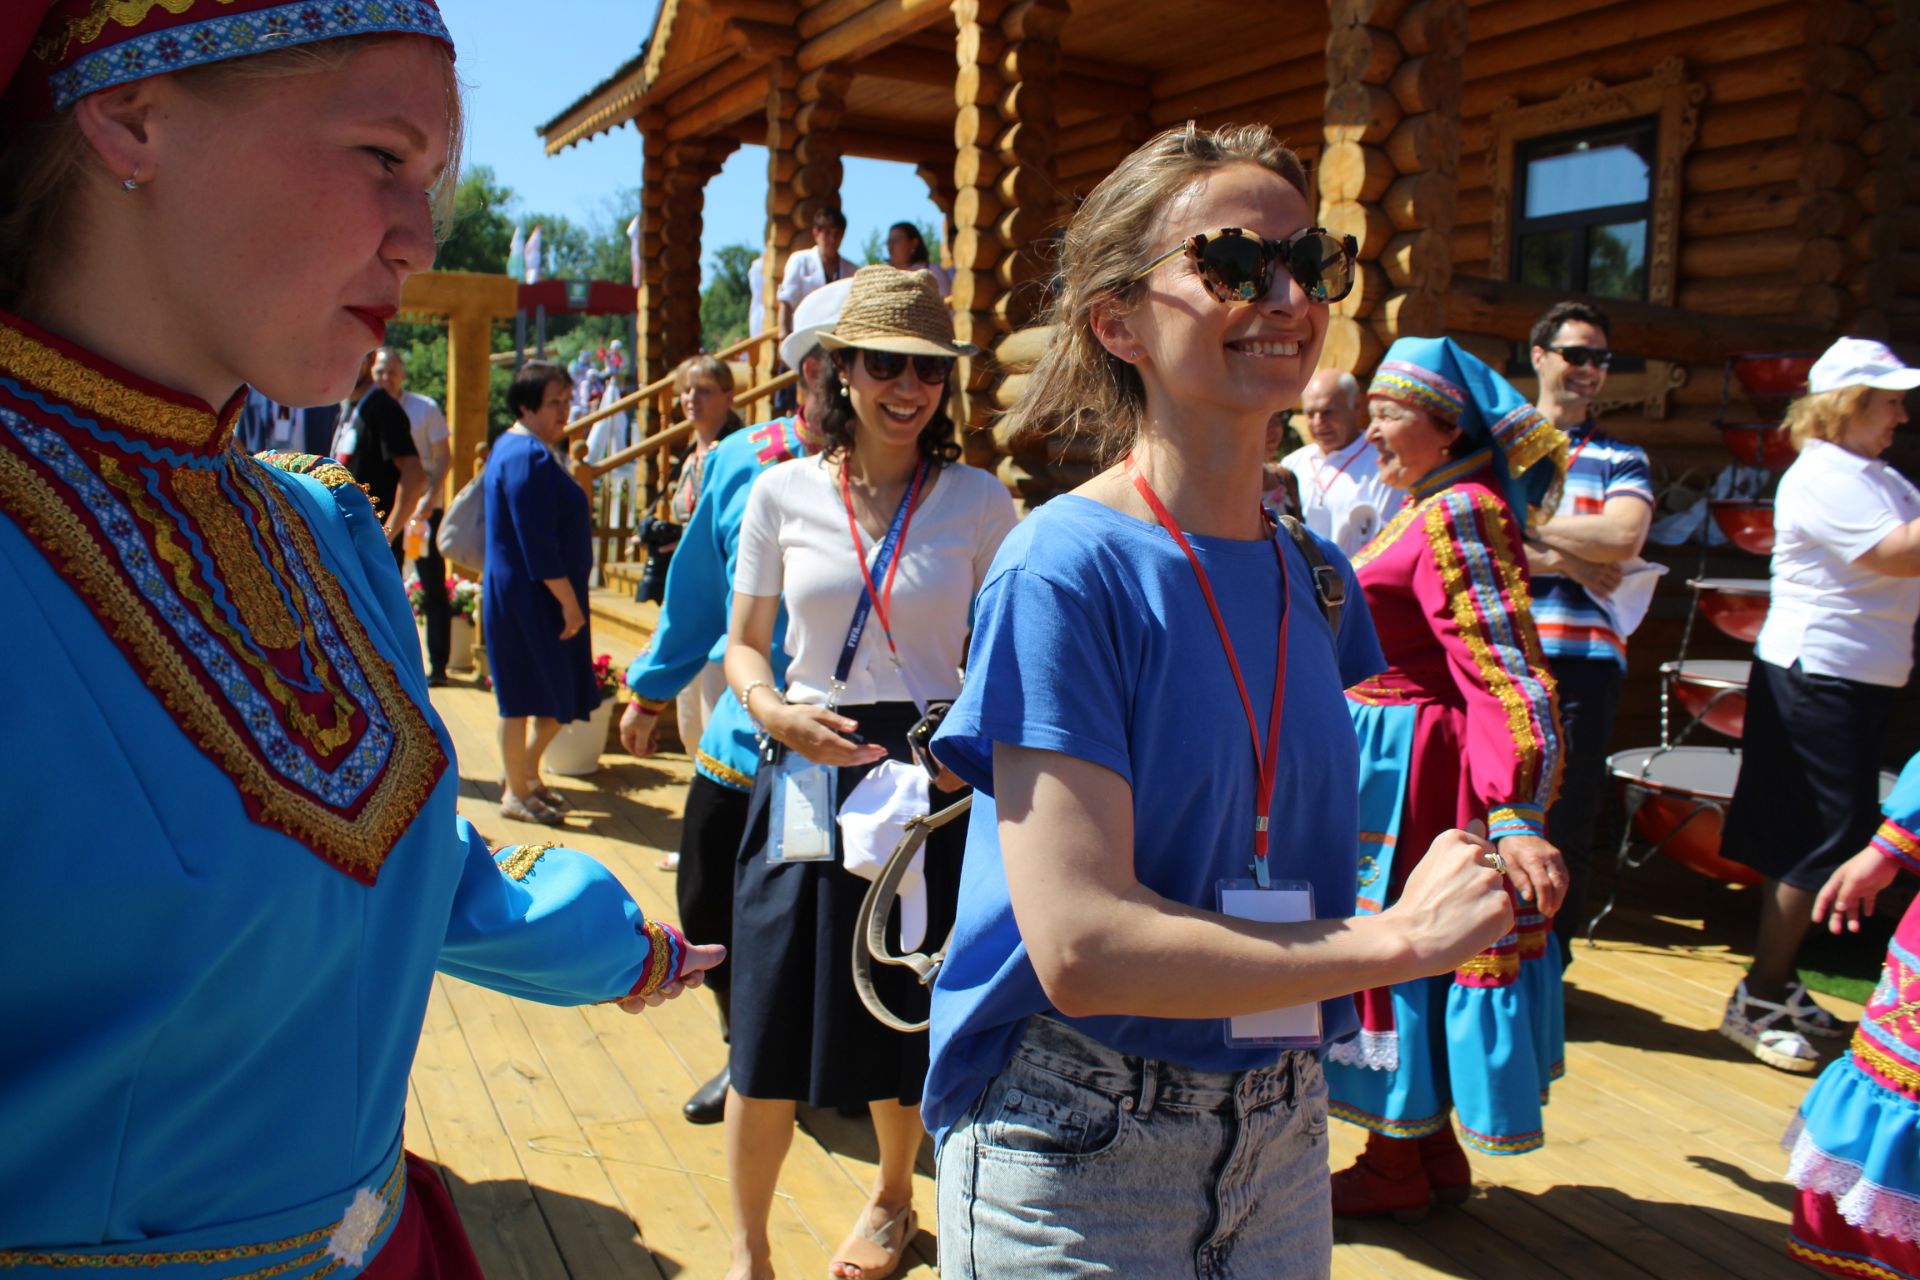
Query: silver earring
[130, 184]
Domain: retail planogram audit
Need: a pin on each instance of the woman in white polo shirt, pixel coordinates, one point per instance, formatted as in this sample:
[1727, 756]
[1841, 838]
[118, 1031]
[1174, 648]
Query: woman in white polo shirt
[1838, 636]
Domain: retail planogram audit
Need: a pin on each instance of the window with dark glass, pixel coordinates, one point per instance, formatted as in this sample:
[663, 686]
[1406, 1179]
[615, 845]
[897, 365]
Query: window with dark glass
[1583, 207]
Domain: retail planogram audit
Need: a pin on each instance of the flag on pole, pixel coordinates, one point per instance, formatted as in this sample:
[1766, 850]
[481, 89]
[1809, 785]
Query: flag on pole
[517, 253]
[633, 248]
[533, 255]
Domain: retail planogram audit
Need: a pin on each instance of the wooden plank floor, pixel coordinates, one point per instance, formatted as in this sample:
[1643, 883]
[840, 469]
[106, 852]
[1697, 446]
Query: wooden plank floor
[560, 1134]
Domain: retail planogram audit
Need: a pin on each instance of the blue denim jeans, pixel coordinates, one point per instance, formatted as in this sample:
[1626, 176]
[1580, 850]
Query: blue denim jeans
[1079, 1161]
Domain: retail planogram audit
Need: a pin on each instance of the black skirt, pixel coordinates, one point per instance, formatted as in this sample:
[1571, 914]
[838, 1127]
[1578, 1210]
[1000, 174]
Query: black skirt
[1808, 796]
[799, 1029]
[710, 834]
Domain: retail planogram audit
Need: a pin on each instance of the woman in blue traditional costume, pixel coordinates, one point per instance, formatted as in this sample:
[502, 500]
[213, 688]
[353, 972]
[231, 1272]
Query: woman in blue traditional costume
[216, 738]
[1856, 1141]
[1461, 728]
[1126, 1074]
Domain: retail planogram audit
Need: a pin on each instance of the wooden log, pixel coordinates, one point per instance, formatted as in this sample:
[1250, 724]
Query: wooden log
[1831, 166]
[1035, 20]
[1729, 257]
[873, 144]
[1107, 127]
[1351, 171]
[1775, 205]
[977, 248]
[1830, 117]
[1370, 288]
[1024, 186]
[1828, 213]
[1419, 260]
[1835, 68]
[1743, 79]
[1243, 59]
[1433, 25]
[1366, 223]
[1430, 83]
[975, 166]
[1020, 351]
[971, 289]
[1351, 344]
[1375, 13]
[1471, 242]
[1827, 305]
[1761, 120]
[1099, 159]
[1366, 54]
[1773, 295]
[1472, 205]
[1428, 142]
[1736, 167]
[819, 17]
[728, 103]
[977, 206]
[975, 126]
[872, 28]
[1410, 313]
[1618, 27]
[1022, 226]
[1507, 309]
[1419, 200]
[975, 83]
[1360, 113]
[1824, 260]
[1223, 94]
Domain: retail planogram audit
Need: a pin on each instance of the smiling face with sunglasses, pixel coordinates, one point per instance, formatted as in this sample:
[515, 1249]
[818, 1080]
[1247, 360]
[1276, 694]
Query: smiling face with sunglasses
[1572, 368]
[1225, 315]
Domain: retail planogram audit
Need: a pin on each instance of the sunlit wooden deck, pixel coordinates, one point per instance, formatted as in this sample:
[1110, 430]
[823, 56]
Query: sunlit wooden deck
[561, 1137]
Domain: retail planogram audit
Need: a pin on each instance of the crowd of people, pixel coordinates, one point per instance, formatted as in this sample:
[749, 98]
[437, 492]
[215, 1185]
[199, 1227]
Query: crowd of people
[1283, 783]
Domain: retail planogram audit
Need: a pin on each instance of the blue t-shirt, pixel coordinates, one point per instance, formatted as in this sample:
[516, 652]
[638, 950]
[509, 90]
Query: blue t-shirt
[1092, 639]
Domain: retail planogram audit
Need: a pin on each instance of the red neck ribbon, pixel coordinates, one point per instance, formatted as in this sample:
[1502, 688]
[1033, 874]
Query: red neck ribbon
[1265, 762]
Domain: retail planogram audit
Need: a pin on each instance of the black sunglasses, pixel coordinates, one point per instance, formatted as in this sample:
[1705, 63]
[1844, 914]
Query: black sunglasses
[888, 365]
[1581, 357]
[1238, 267]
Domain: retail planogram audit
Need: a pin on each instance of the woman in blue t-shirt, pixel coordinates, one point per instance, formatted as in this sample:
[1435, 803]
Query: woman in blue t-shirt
[1133, 643]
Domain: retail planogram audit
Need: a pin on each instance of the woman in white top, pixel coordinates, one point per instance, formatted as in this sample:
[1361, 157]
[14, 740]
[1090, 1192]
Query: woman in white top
[706, 400]
[878, 545]
[1838, 637]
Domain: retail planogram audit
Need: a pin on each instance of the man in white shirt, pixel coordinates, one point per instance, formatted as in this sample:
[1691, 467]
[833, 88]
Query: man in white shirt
[433, 442]
[808, 269]
[1341, 496]
[756, 295]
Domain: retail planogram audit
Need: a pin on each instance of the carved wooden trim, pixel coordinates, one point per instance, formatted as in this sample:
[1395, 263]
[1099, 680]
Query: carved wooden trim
[1675, 102]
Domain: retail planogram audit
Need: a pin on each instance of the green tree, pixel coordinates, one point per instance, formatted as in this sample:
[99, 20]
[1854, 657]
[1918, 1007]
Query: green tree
[480, 231]
[725, 300]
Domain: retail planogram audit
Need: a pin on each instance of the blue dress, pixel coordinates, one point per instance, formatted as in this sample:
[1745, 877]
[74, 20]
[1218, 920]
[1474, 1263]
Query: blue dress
[538, 527]
[238, 863]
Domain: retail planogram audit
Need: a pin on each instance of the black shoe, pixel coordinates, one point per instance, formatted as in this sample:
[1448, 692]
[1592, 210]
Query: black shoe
[708, 1105]
[436, 680]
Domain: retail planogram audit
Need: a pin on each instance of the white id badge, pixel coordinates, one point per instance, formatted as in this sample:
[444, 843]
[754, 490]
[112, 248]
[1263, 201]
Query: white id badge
[1287, 902]
[800, 826]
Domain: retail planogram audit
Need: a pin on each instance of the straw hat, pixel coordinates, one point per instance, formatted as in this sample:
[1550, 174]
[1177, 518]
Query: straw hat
[893, 310]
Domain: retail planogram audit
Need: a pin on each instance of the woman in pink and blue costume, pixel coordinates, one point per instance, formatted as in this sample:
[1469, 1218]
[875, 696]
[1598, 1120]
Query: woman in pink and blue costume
[246, 865]
[1856, 1142]
[1460, 728]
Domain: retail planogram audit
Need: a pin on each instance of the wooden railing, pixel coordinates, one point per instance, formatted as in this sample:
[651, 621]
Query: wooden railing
[616, 521]
[661, 391]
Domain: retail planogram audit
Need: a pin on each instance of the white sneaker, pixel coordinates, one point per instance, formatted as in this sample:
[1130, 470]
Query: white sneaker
[1810, 1019]
[1751, 1024]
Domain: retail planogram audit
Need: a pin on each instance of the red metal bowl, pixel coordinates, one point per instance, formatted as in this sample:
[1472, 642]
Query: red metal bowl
[1712, 691]
[1758, 444]
[1773, 375]
[1685, 809]
[1747, 522]
[1737, 606]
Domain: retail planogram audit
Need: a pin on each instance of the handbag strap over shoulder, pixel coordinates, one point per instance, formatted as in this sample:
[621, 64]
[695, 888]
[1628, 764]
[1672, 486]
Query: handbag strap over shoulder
[1329, 588]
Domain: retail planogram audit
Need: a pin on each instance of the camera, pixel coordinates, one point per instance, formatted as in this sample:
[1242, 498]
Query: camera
[659, 537]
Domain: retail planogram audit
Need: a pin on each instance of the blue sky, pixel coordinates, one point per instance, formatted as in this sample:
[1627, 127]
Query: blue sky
[522, 70]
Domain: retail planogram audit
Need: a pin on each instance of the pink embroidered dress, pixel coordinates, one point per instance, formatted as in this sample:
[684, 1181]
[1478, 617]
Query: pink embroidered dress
[1856, 1141]
[1461, 726]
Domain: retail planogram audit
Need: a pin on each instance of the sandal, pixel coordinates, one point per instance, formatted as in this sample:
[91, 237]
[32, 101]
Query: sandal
[1749, 1023]
[554, 800]
[1810, 1019]
[530, 810]
[890, 1238]
[669, 863]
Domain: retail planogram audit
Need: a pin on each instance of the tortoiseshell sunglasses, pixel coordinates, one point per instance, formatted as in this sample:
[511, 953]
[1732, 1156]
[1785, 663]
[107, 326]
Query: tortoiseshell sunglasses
[1238, 267]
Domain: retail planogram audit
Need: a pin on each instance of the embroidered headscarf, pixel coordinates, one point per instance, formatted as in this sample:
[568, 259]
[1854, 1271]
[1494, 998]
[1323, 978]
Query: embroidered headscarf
[1440, 377]
[55, 52]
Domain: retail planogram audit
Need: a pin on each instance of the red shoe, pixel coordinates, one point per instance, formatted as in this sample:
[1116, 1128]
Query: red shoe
[1365, 1190]
[1448, 1172]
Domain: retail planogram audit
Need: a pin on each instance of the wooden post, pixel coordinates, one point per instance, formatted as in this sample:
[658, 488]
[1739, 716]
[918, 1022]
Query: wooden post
[650, 350]
[821, 95]
[1005, 204]
[1829, 127]
[690, 166]
[469, 342]
[783, 234]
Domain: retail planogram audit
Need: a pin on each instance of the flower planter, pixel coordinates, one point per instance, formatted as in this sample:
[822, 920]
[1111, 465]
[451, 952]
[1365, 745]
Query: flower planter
[575, 751]
[460, 644]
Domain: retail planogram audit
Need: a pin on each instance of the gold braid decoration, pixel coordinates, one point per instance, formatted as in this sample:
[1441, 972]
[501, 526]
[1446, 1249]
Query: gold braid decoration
[104, 396]
[519, 865]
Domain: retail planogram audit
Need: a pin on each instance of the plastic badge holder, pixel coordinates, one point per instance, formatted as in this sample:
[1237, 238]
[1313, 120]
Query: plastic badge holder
[1287, 902]
[800, 824]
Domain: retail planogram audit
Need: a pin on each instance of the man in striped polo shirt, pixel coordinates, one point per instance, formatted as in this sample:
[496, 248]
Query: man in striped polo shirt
[1602, 520]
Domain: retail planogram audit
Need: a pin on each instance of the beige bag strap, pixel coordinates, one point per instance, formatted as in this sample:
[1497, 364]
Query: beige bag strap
[870, 933]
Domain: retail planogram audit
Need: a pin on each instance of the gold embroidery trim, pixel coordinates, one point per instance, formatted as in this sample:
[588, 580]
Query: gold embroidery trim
[231, 545]
[359, 843]
[723, 772]
[1457, 583]
[1505, 965]
[103, 396]
[519, 865]
[1885, 1063]
[389, 1193]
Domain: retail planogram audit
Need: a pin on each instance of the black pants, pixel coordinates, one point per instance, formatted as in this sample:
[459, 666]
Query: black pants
[432, 569]
[1589, 691]
[711, 829]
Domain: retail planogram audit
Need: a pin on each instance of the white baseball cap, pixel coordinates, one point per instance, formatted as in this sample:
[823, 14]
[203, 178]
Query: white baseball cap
[1860, 362]
[817, 313]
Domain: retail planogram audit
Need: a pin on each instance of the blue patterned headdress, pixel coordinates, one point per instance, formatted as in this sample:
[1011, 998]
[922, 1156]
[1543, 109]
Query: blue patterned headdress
[1439, 376]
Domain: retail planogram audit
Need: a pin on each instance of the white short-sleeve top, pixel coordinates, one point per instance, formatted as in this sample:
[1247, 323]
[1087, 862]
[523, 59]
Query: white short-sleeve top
[805, 273]
[1830, 614]
[794, 542]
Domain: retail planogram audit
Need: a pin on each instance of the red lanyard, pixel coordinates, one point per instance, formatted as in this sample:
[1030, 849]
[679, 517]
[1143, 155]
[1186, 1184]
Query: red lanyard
[1265, 762]
[1321, 465]
[882, 598]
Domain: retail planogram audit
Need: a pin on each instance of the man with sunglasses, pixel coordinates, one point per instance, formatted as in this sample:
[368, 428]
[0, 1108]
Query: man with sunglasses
[1602, 521]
